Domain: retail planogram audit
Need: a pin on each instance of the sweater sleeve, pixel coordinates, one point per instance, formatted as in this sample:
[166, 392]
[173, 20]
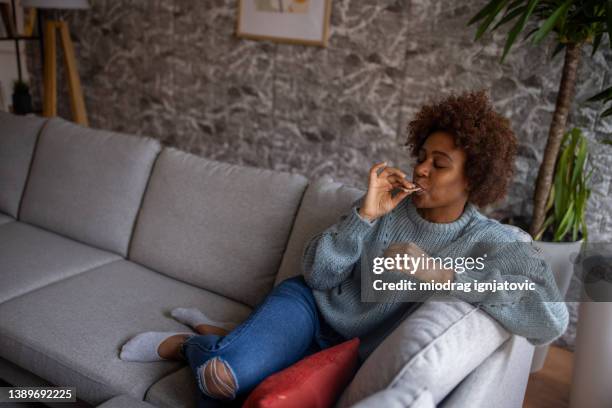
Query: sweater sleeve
[329, 257]
[539, 315]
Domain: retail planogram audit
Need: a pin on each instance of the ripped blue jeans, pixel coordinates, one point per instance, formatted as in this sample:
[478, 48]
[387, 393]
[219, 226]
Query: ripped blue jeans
[284, 328]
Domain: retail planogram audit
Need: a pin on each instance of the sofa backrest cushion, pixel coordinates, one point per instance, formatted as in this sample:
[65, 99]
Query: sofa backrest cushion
[218, 226]
[324, 202]
[18, 136]
[88, 184]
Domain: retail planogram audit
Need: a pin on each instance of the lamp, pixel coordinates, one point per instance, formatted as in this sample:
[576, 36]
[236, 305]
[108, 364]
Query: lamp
[77, 102]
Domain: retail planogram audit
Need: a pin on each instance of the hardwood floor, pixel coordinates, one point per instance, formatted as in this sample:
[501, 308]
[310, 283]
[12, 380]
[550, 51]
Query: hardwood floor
[550, 387]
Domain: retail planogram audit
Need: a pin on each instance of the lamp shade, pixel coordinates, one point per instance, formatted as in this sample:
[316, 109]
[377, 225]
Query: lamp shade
[56, 4]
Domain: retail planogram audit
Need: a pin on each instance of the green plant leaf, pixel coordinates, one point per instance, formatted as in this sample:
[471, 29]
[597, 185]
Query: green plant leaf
[551, 21]
[609, 20]
[575, 231]
[518, 27]
[596, 43]
[605, 95]
[485, 24]
[562, 194]
[581, 156]
[530, 33]
[565, 223]
[485, 11]
[549, 220]
[607, 112]
[551, 197]
[510, 16]
[588, 177]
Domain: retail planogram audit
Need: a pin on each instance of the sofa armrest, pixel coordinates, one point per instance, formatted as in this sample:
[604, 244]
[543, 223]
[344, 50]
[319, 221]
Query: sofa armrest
[500, 381]
[435, 347]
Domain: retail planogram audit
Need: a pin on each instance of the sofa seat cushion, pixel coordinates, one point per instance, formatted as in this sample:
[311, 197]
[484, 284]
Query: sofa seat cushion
[31, 257]
[71, 332]
[125, 401]
[18, 135]
[324, 202]
[5, 219]
[219, 226]
[435, 347]
[177, 390]
[87, 184]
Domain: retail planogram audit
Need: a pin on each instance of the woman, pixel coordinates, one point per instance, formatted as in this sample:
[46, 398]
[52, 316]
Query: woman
[465, 154]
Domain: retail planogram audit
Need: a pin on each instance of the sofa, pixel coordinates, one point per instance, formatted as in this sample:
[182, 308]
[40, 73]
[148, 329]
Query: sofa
[102, 234]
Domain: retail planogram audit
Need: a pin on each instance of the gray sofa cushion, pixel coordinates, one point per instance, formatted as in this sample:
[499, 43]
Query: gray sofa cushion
[125, 401]
[88, 184]
[324, 202]
[31, 257]
[16, 375]
[219, 226]
[402, 395]
[435, 347]
[71, 332]
[177, 390]
[18, 136]
[5, 218]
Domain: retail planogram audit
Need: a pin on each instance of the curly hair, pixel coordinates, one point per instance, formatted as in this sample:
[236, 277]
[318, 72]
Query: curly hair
[485, 136]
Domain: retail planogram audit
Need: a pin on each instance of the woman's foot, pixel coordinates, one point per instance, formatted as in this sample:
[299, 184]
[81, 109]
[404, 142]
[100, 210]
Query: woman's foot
[154, 346]
[200, 322]
[206, 329]
[170, 348]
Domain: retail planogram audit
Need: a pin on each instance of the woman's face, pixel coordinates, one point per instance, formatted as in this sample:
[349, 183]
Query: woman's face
[440, 171]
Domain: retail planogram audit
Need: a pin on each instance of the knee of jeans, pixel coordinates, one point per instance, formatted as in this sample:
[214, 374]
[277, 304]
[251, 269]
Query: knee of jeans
[217, 380]
[299, 286]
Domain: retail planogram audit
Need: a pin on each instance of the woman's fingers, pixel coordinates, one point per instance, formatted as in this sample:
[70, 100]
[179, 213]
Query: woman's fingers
[400, 196]
[375, 168]
[392, 170]
[401, 182]
[388, 172]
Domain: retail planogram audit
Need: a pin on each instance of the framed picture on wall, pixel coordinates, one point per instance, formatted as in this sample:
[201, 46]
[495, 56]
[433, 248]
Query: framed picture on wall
[291, 21]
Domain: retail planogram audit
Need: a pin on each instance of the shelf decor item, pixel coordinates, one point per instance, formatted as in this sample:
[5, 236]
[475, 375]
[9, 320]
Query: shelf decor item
[290, 21]
[22, 100]
[13, 32]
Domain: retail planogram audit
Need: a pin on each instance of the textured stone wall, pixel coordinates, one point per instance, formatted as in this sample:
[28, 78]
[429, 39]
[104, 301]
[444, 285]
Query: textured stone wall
[173, 70]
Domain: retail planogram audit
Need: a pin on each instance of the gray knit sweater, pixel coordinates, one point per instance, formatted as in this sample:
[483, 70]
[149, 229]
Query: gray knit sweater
[331, 263]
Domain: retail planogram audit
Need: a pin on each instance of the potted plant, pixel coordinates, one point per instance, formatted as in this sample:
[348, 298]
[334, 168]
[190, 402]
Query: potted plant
[557, 223]
[574, 23]
[22, 101]
[565, 230]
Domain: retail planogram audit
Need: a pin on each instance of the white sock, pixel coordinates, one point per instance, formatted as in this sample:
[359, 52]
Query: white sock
[143, 347]
[194, 317]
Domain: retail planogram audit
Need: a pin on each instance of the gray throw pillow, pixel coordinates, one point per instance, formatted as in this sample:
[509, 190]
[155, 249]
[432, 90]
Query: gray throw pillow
[435, 347]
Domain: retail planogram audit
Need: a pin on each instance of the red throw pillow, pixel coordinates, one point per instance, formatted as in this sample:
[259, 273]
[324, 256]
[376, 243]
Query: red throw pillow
[314, 382]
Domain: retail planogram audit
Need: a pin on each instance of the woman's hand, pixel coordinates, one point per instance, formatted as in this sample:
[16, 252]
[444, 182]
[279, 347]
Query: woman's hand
[426, 270]
[379, 201]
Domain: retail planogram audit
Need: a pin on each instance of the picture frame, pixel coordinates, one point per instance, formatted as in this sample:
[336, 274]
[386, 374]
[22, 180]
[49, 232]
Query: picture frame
[303, 22]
